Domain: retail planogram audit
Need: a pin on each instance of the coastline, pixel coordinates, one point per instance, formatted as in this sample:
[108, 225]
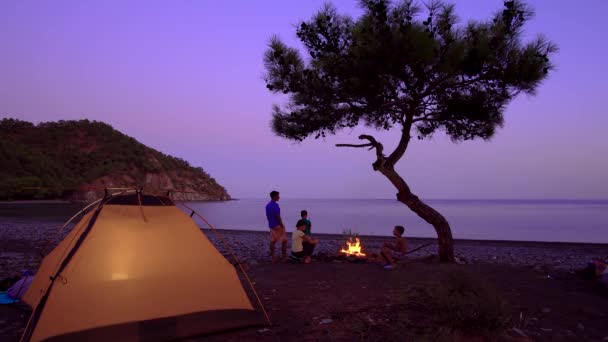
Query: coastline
[47, 201]
[84, 202]
[252, 246]
[428, 239]
[20, 242]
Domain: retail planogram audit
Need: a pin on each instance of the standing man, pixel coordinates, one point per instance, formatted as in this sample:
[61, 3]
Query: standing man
[275, 224]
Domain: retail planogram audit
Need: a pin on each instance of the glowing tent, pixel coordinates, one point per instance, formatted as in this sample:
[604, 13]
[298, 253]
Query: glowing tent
[135, 268]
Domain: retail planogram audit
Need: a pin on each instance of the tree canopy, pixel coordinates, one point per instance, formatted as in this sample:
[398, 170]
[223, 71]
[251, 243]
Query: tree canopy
[401, 64]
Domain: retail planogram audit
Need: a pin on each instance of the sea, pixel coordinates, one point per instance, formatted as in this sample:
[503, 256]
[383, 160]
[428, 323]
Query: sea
[513, 220]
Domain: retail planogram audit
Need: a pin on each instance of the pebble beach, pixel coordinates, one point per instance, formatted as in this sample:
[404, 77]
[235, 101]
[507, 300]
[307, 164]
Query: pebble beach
[21, 243]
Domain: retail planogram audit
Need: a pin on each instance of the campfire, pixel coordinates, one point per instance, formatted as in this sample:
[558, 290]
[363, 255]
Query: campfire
[354, 248]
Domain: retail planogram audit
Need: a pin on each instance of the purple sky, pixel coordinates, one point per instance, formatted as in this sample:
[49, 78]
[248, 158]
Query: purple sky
[185, 77]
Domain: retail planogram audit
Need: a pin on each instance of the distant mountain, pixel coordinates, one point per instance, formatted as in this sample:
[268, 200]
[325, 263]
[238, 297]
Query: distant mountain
[52, 159]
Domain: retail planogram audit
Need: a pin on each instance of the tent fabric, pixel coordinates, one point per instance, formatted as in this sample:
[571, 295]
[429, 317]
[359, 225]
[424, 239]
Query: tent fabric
[135, 199]
[20, 287]
[136, 279]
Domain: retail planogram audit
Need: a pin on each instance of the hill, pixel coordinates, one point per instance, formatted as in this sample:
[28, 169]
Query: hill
[65, 159]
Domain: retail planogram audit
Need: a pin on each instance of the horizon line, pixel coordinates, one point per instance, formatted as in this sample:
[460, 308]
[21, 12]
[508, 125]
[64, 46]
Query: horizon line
[435, 199]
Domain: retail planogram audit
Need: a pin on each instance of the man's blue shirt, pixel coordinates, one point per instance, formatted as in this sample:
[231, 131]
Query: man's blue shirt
[272, 212]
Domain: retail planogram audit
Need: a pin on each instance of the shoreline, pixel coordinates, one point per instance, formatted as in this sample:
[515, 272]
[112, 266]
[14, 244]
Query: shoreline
[47, 201]
[86, 202]
[20, 242]
[428, 239]
[252, 247]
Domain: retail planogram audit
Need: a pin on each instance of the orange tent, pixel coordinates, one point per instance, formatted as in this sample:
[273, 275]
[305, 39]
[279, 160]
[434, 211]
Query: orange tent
[135, 268]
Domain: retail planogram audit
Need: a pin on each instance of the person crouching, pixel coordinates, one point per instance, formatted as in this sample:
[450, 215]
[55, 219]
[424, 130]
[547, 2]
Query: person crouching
[299, 248]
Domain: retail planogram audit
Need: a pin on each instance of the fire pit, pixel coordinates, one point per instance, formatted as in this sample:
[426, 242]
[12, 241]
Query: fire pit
[351, 253]
[353, 249]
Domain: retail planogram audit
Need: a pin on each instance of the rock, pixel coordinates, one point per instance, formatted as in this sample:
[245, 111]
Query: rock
[520, 332]
[558, 337]
[546, 310]
[586, 310]
[326, 321]
[580, 327]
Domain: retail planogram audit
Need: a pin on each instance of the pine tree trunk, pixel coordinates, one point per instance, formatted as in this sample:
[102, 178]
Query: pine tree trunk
[427, 213]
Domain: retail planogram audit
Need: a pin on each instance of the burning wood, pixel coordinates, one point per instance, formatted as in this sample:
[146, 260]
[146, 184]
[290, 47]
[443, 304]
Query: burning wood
[354, 248]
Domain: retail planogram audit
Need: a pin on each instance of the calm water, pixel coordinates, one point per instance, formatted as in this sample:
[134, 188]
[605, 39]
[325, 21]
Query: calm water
[530, 220]
[559, 220]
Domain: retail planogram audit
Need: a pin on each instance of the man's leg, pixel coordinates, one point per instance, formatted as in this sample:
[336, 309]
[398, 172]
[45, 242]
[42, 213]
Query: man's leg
[274, 237]
[272, 243]
[284, 248]
[386, 254]
[283, 237]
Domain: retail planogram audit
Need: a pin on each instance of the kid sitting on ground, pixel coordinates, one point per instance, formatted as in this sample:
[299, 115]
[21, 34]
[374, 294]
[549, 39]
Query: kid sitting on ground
[299, 248]
[396, 250]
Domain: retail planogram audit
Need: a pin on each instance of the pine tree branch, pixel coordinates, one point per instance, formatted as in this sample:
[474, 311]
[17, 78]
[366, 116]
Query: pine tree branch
[428, 117]
[373, 144]
[354, 145]
[403, 142]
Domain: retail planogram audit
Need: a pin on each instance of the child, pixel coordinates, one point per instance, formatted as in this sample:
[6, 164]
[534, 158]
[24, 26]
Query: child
[390, 251]
[304, 215]
[302, 245]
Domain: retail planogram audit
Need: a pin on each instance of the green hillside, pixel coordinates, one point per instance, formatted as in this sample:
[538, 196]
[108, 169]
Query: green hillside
[57, 157]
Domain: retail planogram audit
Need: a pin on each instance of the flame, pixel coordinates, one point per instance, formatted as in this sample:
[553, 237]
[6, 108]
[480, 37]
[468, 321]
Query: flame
[354, 248]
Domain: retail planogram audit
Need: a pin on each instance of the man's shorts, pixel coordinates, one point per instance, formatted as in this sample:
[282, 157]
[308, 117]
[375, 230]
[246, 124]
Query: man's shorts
[398, 256]
[395, 254]
[278, 234]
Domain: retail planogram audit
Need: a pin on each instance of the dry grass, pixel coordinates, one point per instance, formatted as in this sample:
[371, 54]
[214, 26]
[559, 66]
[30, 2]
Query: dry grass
[466, 303]
[460, 307]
